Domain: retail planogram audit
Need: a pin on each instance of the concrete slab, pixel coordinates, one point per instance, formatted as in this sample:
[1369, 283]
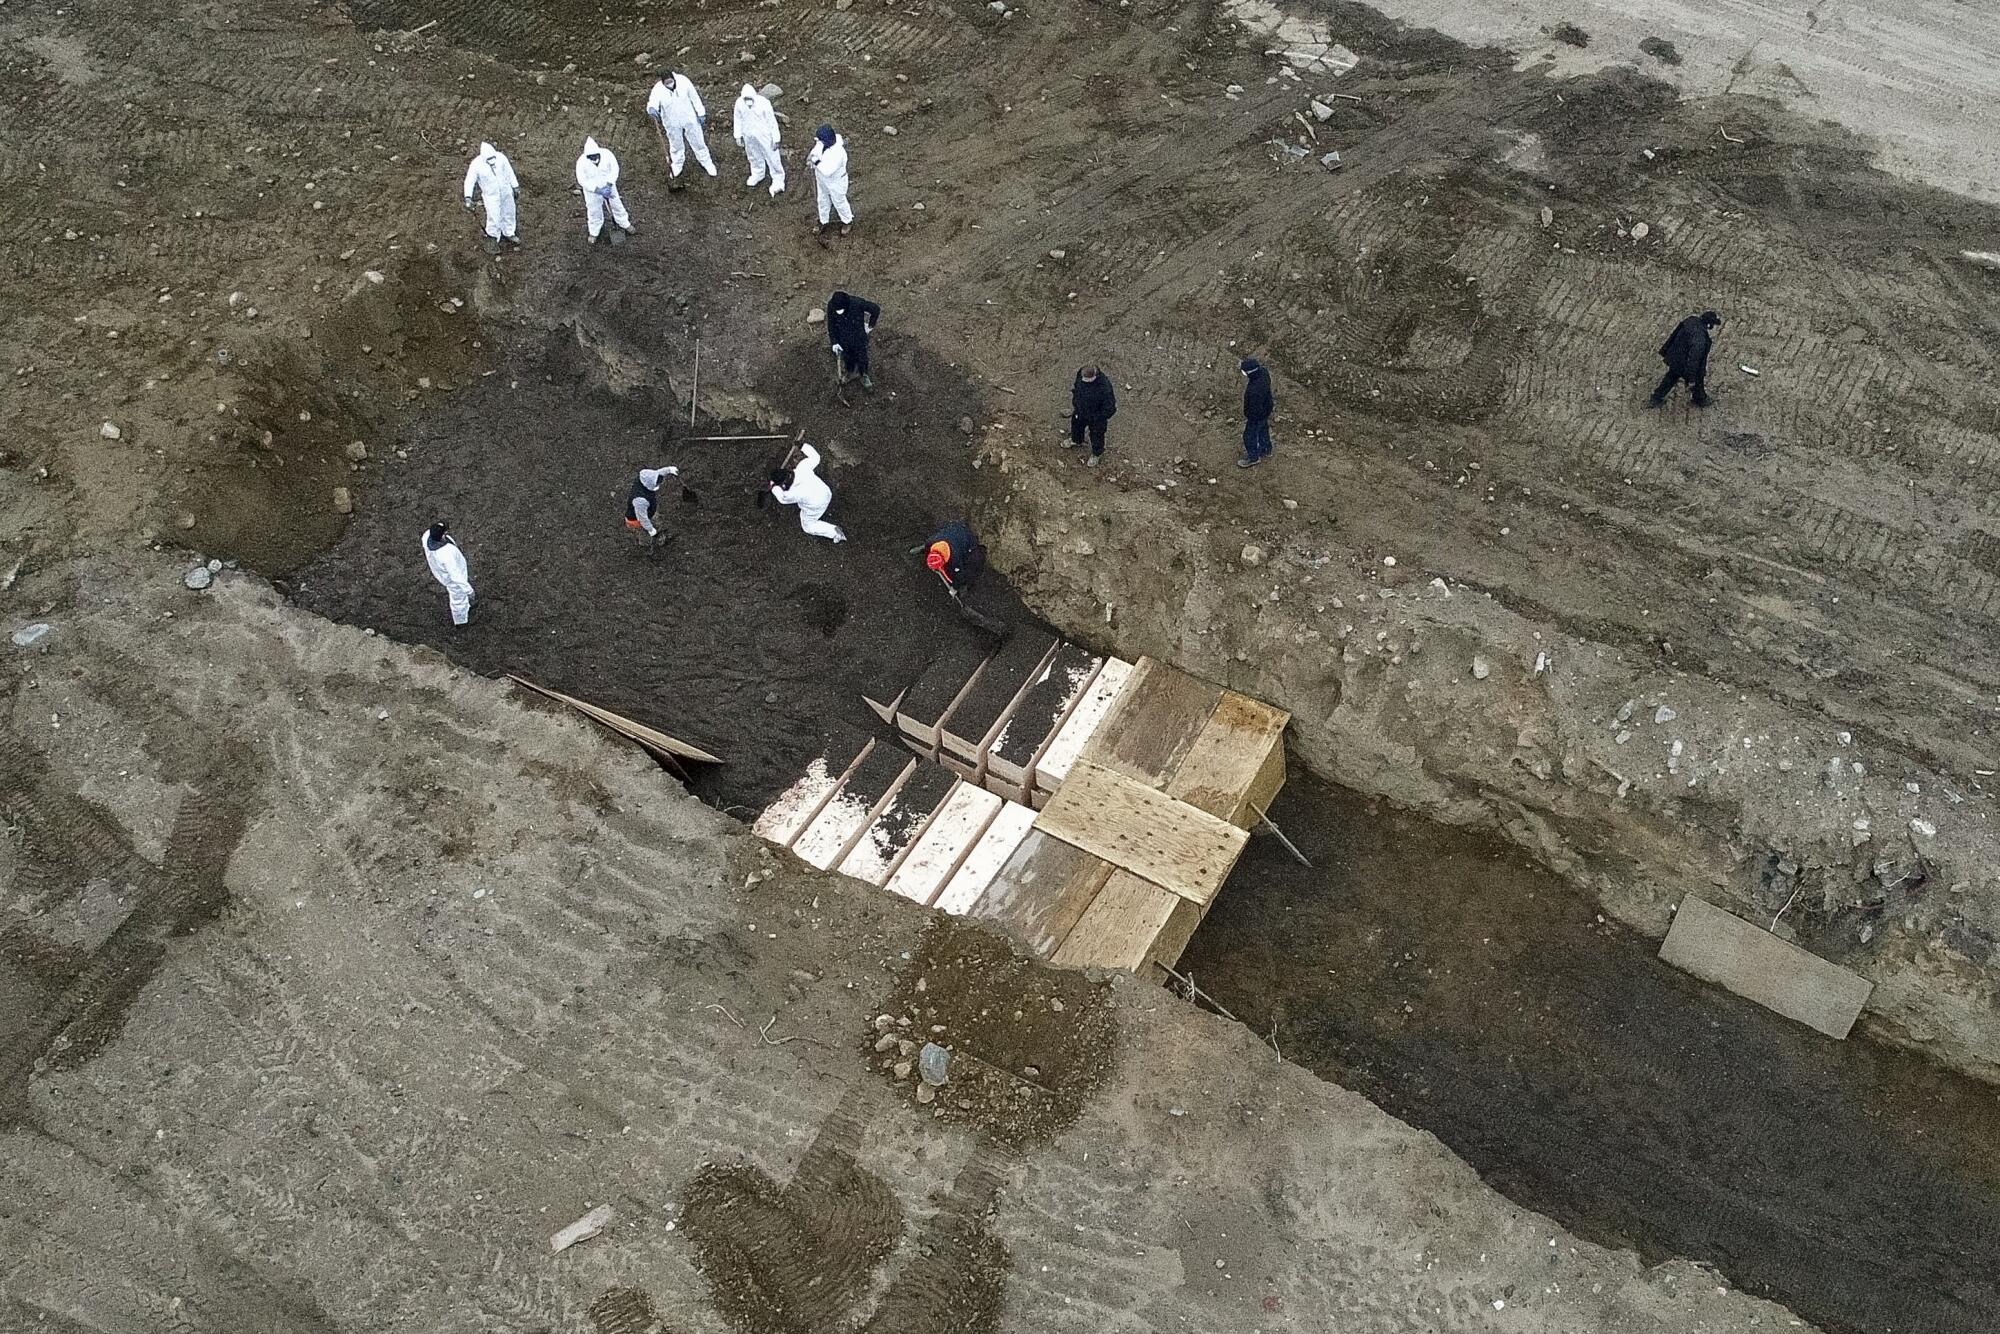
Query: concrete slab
[1722, 948]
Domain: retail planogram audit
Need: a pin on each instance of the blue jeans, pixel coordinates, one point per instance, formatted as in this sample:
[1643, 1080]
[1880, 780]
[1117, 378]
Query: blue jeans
[1257, 439]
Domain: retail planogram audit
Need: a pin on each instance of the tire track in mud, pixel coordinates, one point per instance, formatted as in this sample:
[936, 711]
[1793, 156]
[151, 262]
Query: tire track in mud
[66, 836]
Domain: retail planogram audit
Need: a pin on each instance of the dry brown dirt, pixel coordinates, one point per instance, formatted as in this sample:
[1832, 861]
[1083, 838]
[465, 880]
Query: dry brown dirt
[233, 232]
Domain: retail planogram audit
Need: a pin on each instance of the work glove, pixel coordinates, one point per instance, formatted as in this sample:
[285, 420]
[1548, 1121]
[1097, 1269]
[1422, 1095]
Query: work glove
[671, 472]
[468, 201]
[836, 347]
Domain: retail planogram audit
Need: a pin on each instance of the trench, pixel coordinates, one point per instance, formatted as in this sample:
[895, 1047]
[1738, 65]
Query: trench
[1454, 983]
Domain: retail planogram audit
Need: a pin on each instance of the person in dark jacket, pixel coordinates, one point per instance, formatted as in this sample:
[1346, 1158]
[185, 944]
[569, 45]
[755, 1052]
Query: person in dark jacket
[849, 322]
[955, 556]
[1257, 405]
[1092, 405]
[1686, 355]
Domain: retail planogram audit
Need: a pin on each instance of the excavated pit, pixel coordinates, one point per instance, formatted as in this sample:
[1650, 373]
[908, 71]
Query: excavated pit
[1456, 983]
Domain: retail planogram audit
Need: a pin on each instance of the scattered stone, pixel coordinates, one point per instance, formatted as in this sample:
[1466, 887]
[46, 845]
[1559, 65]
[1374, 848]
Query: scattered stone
[934, 1063]
[184, 520]
[1056, 1005]
[1058, 254]
[772, 91]
[925, 1093]
[1321, 111]
[643, 58]
[109, 432]
[1624, 714]
[1662, 50]
[1640, 231]
[357, 450]
[901, 1069]
[1234, 90]
[843, 4]
[583, 1229]
[1923, 828]
[1331, 161]
[771, 697]
[965, 426]
[1570, 35]
[1664, 714]
[997, 6]
[214, 565]
[1674, 757]
[198, 578]
[816, 316]
[29, 635]
[1253, 554]
[1289, 504]
[343, 500]
[889, 130]
[1481, 669]
[374, 276]
[1548, 215]
[1389, 561]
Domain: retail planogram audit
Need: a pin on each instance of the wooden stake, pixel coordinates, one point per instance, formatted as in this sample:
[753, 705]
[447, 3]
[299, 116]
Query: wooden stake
[694, 395]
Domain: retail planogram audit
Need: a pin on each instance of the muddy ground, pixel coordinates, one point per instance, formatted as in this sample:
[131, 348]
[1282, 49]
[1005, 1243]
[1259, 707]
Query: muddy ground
[1855, 1183]
[233, 235]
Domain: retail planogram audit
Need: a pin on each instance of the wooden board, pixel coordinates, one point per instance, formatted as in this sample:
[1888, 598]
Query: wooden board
[1042, 891]
[1039, 713]
[1119, 927]
[952, 832]
[853, 806]
[795, 807]
[1229, 767]
[995, 847]
[898, 825]
[654, 740]
[1053, 764]
[1139, 829]
[930, 701]
[1156, 723]
[978, 717]
[1750, 961]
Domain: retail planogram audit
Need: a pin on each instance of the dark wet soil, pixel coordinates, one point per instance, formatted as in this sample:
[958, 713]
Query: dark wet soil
[743, 636]
[1473, 995]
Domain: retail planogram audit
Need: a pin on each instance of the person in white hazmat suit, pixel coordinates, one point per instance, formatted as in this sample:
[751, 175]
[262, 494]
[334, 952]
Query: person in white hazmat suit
[676, 108]
[804, 487]
[494, 177]
[828, 161]
[597, 176]
[447, 564]
[756, 128]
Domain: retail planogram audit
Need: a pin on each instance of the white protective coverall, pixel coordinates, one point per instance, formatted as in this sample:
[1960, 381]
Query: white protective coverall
[494, 176]
[447, 564]
[757, 130]
[829, 165]
[811, 494]
[676, 106]
[599, 181]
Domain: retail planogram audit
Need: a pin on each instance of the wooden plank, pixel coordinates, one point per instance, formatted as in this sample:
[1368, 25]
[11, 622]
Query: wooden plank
[1042, 891]
[853, 806]
[898, 825]
[1039, 714]
[1222, 769]
[650, 737]
[929, 702]
[1105, 692]
[795, 807]
[1723, 948]
[936, 856]
[978, 718]
[983, 863]
[1155, 724]
[1120, 926]
[1142, 830]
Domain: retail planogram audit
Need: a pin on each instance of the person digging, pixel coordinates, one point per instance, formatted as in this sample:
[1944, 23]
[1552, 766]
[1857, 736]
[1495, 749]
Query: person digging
[642, 505]
[956, 557]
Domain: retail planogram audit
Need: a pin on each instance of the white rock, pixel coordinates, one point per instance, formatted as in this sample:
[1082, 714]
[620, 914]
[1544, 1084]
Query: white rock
[1639, 231]
[343, 500]
[1253, 554]
[1548, 215]
[374, 276]
[583, 1229]
[816, 316]
[889, 130]
[1664, 714]
[772, 91]
[1390, 561]
[29, 635]
[1058, 254]
[198, 578]
[1320, 110]
[1234, 89]
[1481, 669]
[1923, 828]
[109, 432]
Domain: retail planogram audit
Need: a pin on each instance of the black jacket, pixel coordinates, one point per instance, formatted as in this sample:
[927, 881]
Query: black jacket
[848, 319]
[1686, 348]
[1093, 400]
[1257, 400]
[967, 558]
